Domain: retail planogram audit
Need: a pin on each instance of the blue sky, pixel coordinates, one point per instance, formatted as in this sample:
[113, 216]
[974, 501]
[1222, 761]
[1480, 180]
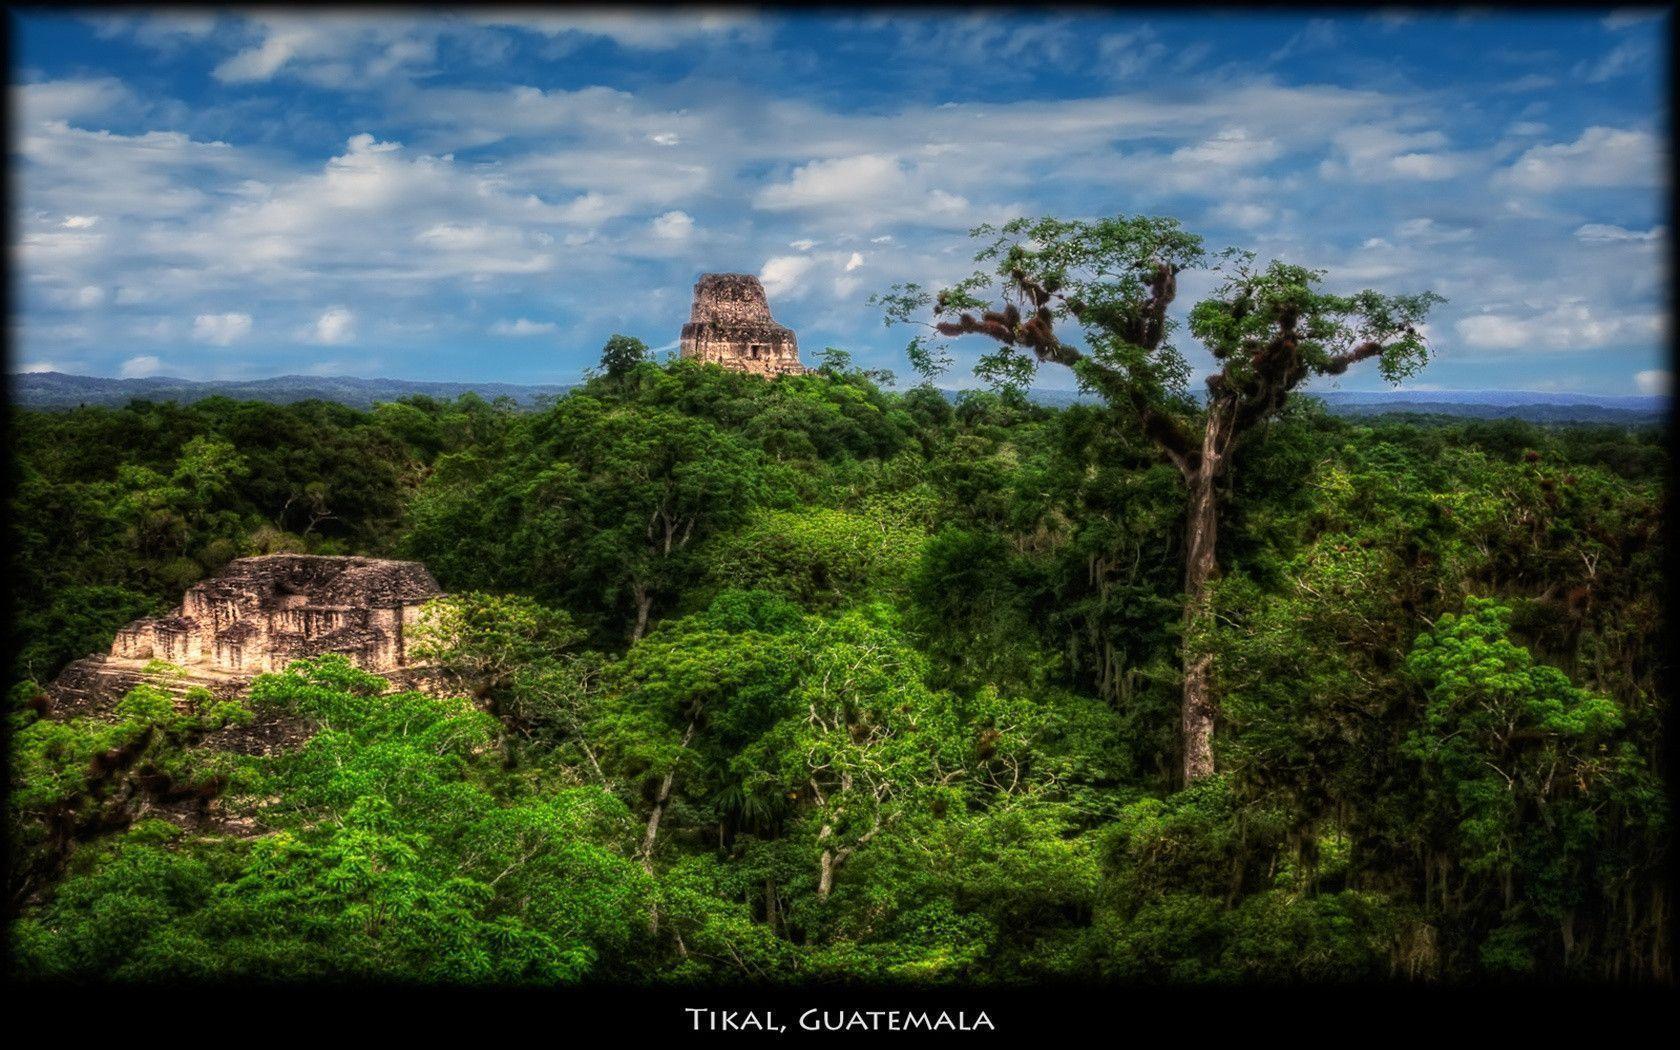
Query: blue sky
[490, 195]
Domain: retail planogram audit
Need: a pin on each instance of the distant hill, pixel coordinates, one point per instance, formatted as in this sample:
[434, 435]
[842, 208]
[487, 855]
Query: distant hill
[1533, 406]
[58, 390]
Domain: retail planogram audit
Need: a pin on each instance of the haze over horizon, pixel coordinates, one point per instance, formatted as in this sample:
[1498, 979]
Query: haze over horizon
[486, 197]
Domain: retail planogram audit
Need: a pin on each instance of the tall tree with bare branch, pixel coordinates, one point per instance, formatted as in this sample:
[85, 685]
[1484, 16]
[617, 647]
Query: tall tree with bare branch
[1113, 282]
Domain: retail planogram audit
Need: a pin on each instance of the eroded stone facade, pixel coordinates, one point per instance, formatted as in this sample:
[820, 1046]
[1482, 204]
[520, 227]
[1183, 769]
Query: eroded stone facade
[261, 613]
[730, 325]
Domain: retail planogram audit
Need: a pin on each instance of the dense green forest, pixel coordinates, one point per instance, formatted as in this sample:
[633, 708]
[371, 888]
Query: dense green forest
[803, 679]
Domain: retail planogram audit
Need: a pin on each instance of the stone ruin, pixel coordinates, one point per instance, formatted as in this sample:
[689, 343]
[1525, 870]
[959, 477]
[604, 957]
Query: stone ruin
[262, 613]
[257, 615]
[730, 325]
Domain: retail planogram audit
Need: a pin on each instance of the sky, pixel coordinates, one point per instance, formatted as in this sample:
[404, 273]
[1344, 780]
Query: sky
[489, 195]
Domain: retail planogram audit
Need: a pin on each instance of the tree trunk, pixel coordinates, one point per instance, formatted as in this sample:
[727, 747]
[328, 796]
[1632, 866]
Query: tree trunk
[1200, 567]
[825, 882]
[644, 602]
[651, 836]
[652, 833]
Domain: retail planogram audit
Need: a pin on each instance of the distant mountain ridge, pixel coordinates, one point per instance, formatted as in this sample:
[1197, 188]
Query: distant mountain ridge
[59, 390]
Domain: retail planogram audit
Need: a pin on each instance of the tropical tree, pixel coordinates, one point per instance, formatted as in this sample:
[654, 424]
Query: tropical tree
[620, 354]
[1268, 329]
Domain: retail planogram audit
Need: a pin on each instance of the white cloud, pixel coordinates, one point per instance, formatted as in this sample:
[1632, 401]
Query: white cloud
[332, 50]
[841, 181]
[864, 189]
[524, 327]
[1429, 232]
[1129, 53]
[1600, 157]
[1631, 56]
[673, 226]
[589, 182]
[377, 212]
[165, 31]
[35, 367]
[79, 222]
[1371, 153]
[221, 329]
[632, 29]
[1654, 381]
[1628, 17]
[1245, 216]
[335, 327]
[71, 99]
[139, 367]
[781, 274]
[1594, 231]
[86, 173]
[854, 262]
[278, 47]
[1317, 35]
[1231, 148]
[1571, 325]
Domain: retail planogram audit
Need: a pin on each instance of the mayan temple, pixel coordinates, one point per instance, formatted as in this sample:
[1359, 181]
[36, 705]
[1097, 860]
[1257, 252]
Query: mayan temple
[730, 325]
[259, 614]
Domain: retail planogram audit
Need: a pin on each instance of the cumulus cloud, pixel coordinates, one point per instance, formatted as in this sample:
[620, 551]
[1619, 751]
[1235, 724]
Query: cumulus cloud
[1601, 156]
[524, 327]
[140, 367]
[781, 274]
[335, 327]
[1654, 381]
[1571, 325]
[221, 329]
[462, 199]
[869, 188]
[673, 226]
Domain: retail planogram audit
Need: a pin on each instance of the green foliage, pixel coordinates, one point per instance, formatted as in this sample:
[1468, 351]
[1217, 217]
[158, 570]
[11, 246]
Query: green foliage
[621, 354]
[817, 557]
[803, 680]
[390, 855]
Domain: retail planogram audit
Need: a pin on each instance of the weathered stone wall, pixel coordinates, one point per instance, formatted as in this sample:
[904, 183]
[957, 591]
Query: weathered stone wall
[730, 325]
[261, 613]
